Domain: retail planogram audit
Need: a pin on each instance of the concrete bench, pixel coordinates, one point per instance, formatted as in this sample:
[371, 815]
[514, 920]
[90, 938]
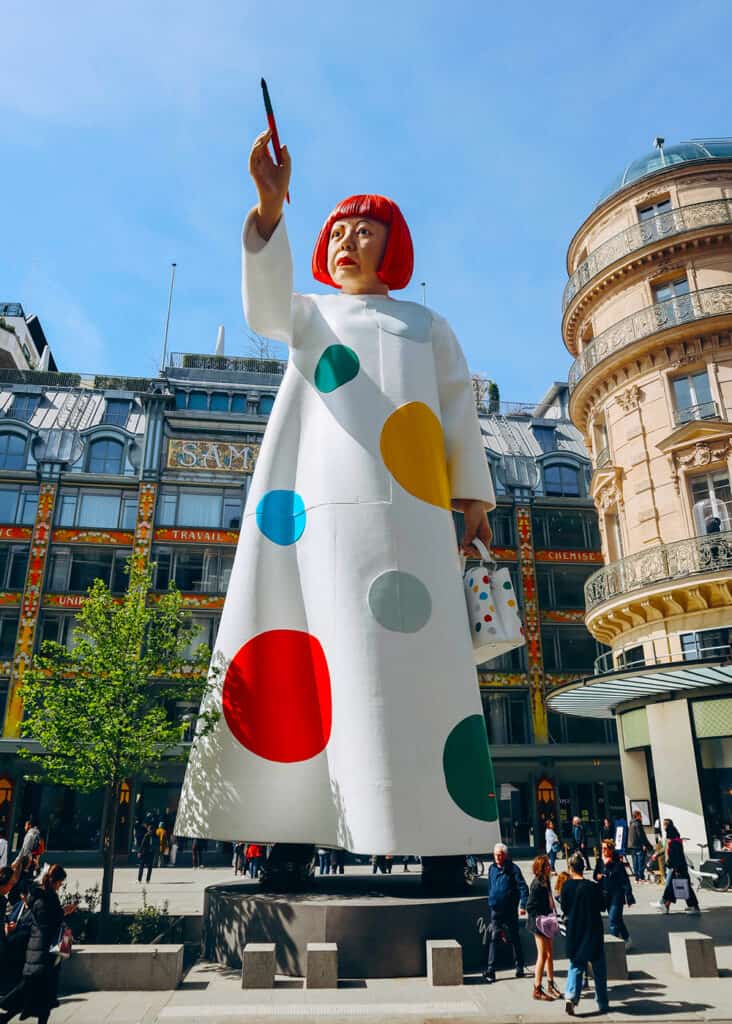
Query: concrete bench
[258, 965]
[444, 962]
[321, 965]
[692, 955]
[123, 968]
[615, 959]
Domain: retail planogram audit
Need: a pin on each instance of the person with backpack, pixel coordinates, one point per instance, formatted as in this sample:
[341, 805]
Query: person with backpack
[507, 891]
[147, 852]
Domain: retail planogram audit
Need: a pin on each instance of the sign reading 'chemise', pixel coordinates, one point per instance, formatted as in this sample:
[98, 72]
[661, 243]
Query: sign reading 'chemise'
[212, 456]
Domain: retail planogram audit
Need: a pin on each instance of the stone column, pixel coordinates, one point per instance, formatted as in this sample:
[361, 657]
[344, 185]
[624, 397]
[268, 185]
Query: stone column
[674, 766]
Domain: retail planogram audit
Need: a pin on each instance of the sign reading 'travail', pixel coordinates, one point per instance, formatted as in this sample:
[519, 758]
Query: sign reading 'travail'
[212, 456]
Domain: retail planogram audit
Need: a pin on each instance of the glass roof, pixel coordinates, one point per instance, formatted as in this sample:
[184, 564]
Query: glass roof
[660, 159]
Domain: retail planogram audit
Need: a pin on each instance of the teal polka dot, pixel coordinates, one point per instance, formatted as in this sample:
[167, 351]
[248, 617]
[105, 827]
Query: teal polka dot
[507, 585]
[466, 763]
[281, 516]
[337, 365]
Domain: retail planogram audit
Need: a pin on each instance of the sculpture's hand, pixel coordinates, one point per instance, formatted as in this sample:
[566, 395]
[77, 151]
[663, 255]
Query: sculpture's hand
[272, 183]
[476, 524]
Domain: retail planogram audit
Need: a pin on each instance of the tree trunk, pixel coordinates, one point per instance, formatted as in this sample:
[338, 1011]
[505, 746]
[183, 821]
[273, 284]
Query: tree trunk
[109, 837]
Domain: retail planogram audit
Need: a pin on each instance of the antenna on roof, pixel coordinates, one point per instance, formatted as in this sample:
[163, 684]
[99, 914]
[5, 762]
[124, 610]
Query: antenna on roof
[167, 317]
[219, 351]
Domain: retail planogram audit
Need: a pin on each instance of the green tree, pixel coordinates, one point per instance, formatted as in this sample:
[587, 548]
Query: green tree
[101, 710]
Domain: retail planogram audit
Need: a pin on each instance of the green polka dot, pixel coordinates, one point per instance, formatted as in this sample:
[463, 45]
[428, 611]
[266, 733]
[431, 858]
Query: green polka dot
[468, 770]
[337, 365]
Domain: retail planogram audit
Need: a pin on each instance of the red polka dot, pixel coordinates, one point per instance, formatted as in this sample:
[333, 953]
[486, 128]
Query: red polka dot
[486, 579]
[488, 618]
[277, 699]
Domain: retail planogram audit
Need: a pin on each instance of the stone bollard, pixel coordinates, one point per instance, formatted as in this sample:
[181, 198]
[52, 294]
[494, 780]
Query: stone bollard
[615, 958]
[258, 965]
[321, 968]
[444, 962]
[692, 954]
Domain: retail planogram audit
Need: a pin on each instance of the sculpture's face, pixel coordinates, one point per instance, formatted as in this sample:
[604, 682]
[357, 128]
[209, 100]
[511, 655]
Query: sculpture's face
[355, 250]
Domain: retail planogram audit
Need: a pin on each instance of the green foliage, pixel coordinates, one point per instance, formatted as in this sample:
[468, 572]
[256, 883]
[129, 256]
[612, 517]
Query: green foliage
[149, 921]
[494, 397]
[100, 710]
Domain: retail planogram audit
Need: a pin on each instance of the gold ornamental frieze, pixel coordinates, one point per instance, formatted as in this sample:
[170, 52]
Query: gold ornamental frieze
[212, 456]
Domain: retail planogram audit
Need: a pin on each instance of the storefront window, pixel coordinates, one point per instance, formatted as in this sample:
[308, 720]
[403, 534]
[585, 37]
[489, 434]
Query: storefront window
[199, 569]
[101, 509]
[8, 633]
[569, 649]
[18, 505]
[13, 566]
[562, 587]
[71, 819]
[566, 528]
[507, 716]
[200, 507]
[75, 569]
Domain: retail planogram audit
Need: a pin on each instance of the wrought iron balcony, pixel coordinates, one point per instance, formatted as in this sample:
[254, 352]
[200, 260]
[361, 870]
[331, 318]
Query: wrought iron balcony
[698, 305]
[663, 225]
[676, 648]
[602, 458]
[665, 562]
[704, 411]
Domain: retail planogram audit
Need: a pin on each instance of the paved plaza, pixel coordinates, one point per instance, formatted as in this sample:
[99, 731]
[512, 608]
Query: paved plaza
[211, 993]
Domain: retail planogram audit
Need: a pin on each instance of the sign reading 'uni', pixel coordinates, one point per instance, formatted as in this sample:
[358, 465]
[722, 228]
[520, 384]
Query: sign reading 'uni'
[212, 456]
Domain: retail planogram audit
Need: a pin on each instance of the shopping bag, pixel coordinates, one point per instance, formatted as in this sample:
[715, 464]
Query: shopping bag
[64, 942]
[495, 624]
[547, 925]
[681, 888]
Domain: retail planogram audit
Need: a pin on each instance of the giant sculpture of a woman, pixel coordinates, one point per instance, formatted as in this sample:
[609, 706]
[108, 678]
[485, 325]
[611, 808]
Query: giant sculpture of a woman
[351, 715]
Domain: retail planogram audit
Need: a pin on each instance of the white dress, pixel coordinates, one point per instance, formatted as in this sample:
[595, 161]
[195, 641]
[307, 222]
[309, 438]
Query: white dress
[351, 710]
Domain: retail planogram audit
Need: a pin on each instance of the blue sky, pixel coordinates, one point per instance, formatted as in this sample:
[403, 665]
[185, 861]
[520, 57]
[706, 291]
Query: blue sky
[126, 128]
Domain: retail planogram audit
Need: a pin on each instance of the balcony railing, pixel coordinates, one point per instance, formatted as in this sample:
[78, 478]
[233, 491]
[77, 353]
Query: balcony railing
[675, 561]
[242, 364]
[663, 225]
[704, 411]
[682, 309]
[602, 458]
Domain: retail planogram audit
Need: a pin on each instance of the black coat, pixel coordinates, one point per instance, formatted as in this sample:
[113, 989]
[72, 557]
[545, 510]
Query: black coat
[539, 903]
[582, 907]
[46, 919]
[614, 881]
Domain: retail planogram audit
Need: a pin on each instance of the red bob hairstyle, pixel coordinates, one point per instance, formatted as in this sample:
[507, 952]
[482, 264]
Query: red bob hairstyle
[397, 263]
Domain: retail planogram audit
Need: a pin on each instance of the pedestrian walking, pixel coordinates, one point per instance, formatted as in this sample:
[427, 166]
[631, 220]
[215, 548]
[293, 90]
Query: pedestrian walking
[677, 871]
[254, 858]
[638, 846]
[613, 879]
[163, 844]
[543, 924]
[147, 852]
[582, 907]
[507, 892]
[175, 846]
[552, 844]
[35, 994]
[323, 861]
[33, 846]
[378, 863]
[198, 848]
[240, 857]
[607, 830]
[337, 862]
[579, 839]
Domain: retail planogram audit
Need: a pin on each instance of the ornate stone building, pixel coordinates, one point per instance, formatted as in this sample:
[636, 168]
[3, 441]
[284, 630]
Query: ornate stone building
[647, 313]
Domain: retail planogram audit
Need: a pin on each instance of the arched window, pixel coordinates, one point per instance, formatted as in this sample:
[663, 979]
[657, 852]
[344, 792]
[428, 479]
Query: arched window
[12, 451]
[106, 456]
[561, 480]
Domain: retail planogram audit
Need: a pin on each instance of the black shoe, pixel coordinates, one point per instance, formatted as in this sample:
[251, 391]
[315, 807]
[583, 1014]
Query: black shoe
[489, 977]
[520, 972]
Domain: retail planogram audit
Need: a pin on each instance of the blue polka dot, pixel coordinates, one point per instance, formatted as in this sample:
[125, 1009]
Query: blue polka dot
[281, 516]
[483, 596]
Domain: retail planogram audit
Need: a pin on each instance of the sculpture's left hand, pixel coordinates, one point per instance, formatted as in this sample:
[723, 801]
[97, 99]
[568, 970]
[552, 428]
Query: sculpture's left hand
[476, 524]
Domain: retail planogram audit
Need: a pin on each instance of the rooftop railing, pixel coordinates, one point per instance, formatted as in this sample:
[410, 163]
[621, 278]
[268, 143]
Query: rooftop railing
[663, 225]
[698, 305]
[665, 562]
[240, 364]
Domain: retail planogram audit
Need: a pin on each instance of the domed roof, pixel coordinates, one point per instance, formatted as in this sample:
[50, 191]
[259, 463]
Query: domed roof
[660, 159]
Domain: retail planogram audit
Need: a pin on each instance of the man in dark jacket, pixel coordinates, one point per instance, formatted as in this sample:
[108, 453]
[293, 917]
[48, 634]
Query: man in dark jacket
[582, 908]
[507, 890]
[638, 845]
[147, 852]
[580, 840]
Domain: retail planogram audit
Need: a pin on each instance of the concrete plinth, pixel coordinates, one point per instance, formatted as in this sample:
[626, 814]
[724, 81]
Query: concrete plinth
[444, 962]
[258, 965]
[692, 955]
[123, 968]
[615, 958]
[380, 925]
[321, 969]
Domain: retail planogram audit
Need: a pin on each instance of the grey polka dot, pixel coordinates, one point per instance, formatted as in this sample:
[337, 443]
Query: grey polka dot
[400, 602]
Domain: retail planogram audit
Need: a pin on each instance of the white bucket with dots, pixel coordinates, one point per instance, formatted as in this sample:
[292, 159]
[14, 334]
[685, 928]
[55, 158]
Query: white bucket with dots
[495, 624]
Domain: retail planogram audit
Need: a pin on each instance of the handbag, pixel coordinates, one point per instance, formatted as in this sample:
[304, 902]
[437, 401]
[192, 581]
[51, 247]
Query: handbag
[680, 888]
[556, 846]
[495, 624]
[64, 942]
[547, 924]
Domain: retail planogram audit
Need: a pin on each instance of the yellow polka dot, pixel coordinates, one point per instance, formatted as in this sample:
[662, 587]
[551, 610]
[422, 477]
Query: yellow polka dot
[413, 450]
[491, 608]
[475, 590]
[511, 604]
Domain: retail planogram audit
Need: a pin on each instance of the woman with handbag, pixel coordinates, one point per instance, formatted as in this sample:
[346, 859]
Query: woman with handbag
[543, 923]
[610, 873]
[35, 996]
[678, 883]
